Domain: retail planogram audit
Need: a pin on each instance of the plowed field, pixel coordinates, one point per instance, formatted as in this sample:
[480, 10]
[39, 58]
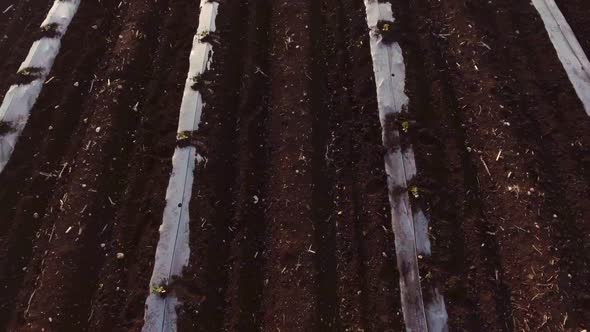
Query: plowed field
[290, 217]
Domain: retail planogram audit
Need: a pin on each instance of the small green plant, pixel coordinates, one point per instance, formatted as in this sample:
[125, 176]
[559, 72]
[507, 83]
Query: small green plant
[161, 290]
[31, 71]
[183, 135]
[387, 30]
[203, 35]
[414, 191]
[405, 126]
[50, 30]
[28, 74]
[197, 81]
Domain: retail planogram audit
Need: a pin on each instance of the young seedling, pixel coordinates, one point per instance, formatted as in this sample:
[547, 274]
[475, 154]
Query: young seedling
[28, 74]
[405, 126]
[49, 31]
[387, 30]
[414, 191]
[197, 82]
[30, 71]
[160, 290]
[210, 37]
[203, 35]
[183, 135]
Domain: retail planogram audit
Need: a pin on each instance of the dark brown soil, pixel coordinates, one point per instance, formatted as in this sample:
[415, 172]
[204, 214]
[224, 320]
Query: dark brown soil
[576, 15]
[484, 78]
[289, 220]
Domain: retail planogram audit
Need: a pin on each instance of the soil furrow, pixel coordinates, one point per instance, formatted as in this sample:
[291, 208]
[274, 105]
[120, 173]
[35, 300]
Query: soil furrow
[558, 142]
[555, 152]
[54, 118]
[322, 38]
[30, 177]
[290, 216]
[83, 205]
[138, 216]
[246, 282]
[380, 294]
[447, 195]
[289, 297]
[203, 287]
[503, 110]
[367, 290]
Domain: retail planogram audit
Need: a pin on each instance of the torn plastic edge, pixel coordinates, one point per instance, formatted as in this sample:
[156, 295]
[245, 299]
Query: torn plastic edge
[411, 229]
[173, 251]
[570, 53]
[20, 99]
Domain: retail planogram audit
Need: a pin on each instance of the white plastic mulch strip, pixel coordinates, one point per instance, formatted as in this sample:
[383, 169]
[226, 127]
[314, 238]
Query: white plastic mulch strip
[172, 252]
[570, 53]
[411, 229]
[20, 99]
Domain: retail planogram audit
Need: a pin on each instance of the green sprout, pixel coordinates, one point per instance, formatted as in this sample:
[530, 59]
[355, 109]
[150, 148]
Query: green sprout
[405, 126]
[414, 191]
[182, 135]
[30, 71]
[203, 34]
[197, 81]
[49, 27]
[160, 290]
[387, 31]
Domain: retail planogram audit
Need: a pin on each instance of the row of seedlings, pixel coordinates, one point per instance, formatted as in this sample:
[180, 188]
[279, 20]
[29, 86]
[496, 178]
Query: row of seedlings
[173, 251]
[410, 223]
[22, 95]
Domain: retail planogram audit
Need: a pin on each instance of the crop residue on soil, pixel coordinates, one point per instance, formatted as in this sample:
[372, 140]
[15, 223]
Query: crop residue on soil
[290, 218]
